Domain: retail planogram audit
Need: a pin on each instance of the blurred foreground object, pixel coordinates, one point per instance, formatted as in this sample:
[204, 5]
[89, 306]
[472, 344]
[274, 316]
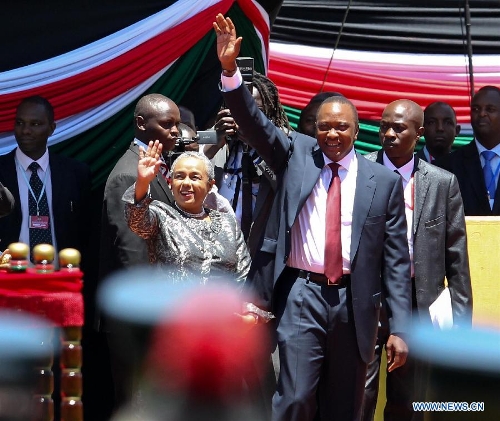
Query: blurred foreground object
[43, 256]
[19, 253]
[199, 359]
[465, 371]
[69, 259]
[5, 257]
[24, 344]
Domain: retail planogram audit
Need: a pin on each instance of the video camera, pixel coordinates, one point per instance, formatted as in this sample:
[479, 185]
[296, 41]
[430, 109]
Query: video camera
[245, 65]
[203, 137]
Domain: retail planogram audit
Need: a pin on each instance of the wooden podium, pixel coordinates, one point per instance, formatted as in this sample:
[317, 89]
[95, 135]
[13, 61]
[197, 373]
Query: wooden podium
[57, 298]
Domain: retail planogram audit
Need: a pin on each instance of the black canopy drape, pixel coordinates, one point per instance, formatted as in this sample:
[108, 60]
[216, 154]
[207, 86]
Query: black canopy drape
[423, 26]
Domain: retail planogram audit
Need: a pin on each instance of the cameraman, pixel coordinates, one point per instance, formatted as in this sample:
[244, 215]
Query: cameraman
[187, 142]
[243, 169]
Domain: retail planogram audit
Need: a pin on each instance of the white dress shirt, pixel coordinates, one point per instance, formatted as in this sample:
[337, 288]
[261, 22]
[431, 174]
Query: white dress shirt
[308, 231]
[406, 172]
[22, 164]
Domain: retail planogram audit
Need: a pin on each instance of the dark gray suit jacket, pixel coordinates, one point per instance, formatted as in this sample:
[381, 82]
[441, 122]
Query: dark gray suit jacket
[439, 240]
[379, 249]
[120, 247]
[466, 165]
[70, 199]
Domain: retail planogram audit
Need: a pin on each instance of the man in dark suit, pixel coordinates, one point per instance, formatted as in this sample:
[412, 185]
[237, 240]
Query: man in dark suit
[441, 128]
[437, 242]
[155, 118]
[468, 162]
[64, 216]
[66, 181]
[6, 201]
[326, 326]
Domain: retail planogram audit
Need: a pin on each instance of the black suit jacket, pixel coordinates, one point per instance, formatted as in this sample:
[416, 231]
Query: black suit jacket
[120, 247]
[70, 198]
[6, 201]
[421, 155]
[379, 249]
[439, 240]
[466, 165]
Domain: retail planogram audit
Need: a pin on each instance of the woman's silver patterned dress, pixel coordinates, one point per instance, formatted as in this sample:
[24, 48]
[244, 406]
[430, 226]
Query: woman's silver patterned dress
[189, 249]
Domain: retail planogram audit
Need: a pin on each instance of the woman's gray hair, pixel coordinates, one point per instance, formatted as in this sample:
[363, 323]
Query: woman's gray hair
[192, 154]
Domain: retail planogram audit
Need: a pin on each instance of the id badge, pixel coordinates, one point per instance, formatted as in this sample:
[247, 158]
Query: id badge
[39, 222]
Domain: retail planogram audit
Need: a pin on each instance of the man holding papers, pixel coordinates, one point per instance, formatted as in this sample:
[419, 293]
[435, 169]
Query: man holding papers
[438, 249]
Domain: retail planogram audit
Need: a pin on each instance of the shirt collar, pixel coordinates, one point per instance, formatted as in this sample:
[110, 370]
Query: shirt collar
[406, 171]
[345, 162]
[428, 156]
[481, 148]
[25, 161]
[141, 143]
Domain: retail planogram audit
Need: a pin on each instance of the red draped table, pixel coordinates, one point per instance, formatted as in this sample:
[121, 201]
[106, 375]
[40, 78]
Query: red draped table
[56, 297]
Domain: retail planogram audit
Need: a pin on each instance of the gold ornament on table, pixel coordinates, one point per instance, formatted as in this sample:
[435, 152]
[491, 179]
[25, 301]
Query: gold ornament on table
[5, 259]
[69, 260]
[19, 253]
[43, 257]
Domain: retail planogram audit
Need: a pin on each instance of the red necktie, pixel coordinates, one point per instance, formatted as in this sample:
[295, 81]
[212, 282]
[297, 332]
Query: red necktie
[333, 245]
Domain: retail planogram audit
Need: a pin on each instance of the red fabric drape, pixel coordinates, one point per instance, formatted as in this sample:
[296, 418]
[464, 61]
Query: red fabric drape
[104, 82]
[298, 80]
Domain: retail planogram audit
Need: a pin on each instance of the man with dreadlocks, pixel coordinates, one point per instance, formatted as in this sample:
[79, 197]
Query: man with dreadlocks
[243, 169]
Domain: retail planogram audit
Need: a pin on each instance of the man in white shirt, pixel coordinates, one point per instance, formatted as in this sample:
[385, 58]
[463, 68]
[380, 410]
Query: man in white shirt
[437, 242]
[65, 184]
[326, 325]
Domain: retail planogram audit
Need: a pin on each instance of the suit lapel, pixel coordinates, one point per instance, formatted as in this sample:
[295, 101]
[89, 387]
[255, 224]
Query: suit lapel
[496, 203]
[420, 189]
[10, 180]
[474, 173]
[161, 185]
[365, 191]
[57, 178]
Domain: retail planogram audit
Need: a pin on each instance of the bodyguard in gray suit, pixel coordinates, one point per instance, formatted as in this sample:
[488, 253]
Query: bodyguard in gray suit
[326, 327]
[438, 247]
